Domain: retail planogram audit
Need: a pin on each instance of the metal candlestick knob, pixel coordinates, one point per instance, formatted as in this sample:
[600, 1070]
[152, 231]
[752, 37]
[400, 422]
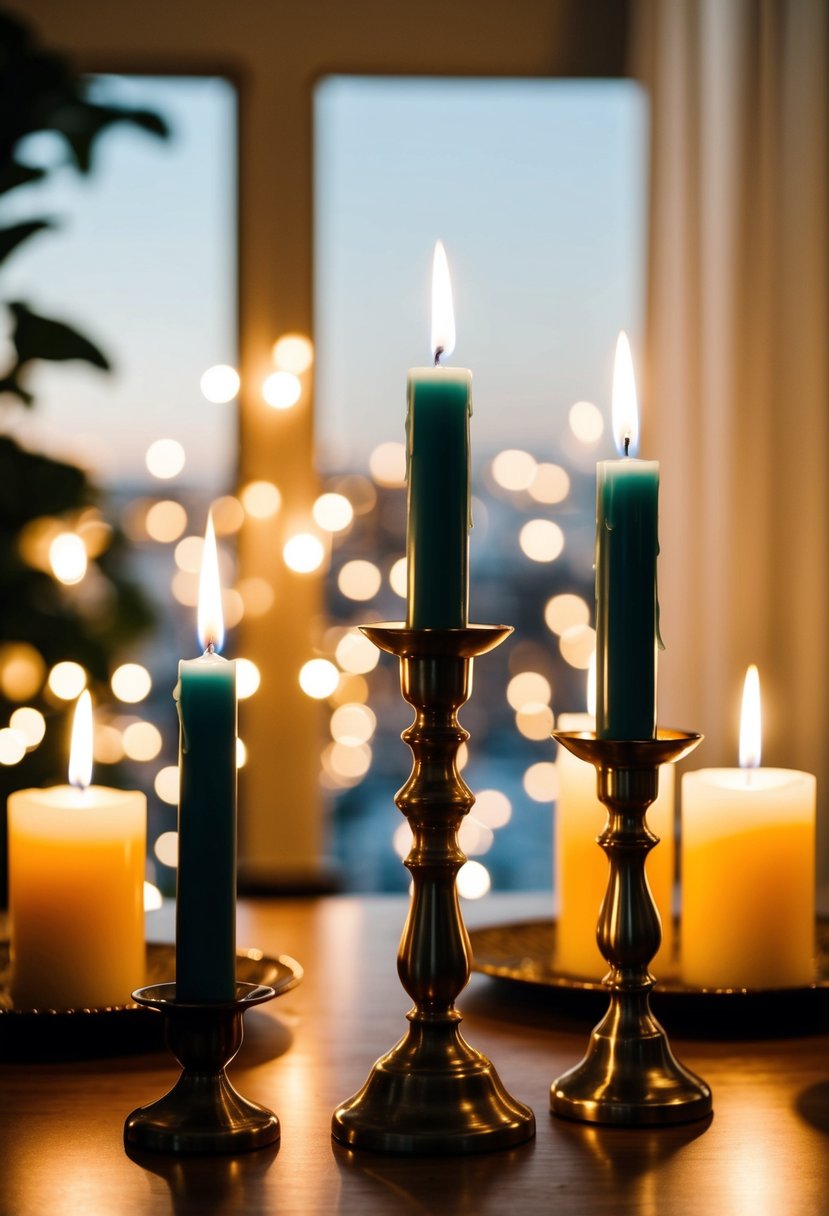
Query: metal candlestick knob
[433, 1093]
[629, 1075]
[202, 1113]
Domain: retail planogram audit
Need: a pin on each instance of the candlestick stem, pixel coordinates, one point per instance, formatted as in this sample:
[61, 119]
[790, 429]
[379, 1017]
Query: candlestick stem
[629, 1075]
[433, 1093]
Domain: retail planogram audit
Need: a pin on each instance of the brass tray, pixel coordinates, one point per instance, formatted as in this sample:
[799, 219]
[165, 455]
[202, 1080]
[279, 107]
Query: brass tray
[117, 1029]
[524, 954]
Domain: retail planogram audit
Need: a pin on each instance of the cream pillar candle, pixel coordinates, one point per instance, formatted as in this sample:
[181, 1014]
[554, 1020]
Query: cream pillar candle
[748, 862]
[76, 888]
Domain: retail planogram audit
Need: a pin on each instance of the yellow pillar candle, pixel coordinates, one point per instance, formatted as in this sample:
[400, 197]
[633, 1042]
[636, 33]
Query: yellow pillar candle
[748, 858]
[76, 887]
[581, 866]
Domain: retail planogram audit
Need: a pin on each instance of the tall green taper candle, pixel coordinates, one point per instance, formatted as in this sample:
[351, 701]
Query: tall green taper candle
[627, 544]
[206, 888]
[437, 444]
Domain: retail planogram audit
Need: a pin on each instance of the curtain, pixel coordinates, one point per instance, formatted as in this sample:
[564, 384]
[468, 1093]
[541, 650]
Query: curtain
[736, 400]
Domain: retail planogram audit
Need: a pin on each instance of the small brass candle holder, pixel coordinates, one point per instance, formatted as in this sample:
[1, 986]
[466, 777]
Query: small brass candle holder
[629, 1075]
[202, 1113]
[433, 1093]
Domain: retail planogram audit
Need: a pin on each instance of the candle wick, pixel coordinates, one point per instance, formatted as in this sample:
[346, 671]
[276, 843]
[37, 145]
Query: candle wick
[210, 648]
[627, 445]
[438, 354]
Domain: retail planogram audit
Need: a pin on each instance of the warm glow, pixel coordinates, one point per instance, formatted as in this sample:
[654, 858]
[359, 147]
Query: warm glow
[350, 688]
[492, 808]
[241, 753]
[591, 685]
[165, 521]
[565, 610]
[550, 484]
[387, 464]
[399, 577]
[541, 781]
[625, 411]
[350, 763]
[528, 686]
[356, 654]
[185, 588]
[228, 515]
[303, 553]
[577, 644]
[474, 837]
[535, 721]
[30, 723]
[107, 744]
[166, 849]
[166, 784]
[281, 390]
[751, 727]
[210, 621]
[248, 678]
[22, 670]
[67, 680]
[80, 751]
[220, 383]
[443, 312]
[352, 724]
[188, 554]
[152, 897]
[12, 746]
[261, 499]
[318, 678]
[257, 595]
[142, 741]
[541, 540]
[165, 458]
[293, 353]
[131, 682]
[514, 469]
[67, 557]
[333, 512]
[586, 422]
[401, 841]
[359, 580]
[473, 880]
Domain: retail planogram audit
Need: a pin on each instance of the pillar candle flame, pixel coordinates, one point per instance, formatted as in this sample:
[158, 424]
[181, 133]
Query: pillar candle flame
[80, 750]
[443, 312]
[750, 721]
[625, 411]
[210, 621]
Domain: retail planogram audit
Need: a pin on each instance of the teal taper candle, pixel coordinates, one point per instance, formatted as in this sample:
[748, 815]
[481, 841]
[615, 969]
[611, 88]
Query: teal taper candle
[438, 505]
[627, 614]
[206, 886]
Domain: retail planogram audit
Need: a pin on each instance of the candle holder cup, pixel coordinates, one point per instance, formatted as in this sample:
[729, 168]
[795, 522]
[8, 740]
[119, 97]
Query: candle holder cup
[433, 1093]
[629, 1075]
[202, 1113]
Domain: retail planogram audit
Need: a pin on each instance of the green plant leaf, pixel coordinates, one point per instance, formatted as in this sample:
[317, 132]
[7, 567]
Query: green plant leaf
[36, 337]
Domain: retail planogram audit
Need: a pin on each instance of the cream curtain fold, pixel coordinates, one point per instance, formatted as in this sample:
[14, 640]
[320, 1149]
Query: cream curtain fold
[737, 376]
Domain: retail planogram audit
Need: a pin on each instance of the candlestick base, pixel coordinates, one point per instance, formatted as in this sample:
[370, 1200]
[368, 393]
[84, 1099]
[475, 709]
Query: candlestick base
[433, 1093]
[629, 1075]
[202, 1113]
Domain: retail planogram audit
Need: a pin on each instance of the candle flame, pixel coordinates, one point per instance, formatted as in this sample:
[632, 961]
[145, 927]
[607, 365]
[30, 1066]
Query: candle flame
[625, 411]
[210, 621]
[80, 749]
[591, 686]
[750, 721]
[443, 312]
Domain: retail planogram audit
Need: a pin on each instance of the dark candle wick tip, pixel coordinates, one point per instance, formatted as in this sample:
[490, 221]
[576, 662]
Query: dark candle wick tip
[438, 354]
[627, 445]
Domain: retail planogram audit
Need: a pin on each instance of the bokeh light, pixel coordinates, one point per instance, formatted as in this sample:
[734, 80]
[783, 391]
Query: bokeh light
[359, 580]
[228, 515]
[577, 644]
[12, 746]
[165, 458]
[541, 781]
[352, 724]
[67, 680]
[131, 682]
[318, 678]
[399, 577]
[535, 721]
[350, 688]
[303, 553]
[241, 753]
[550, 484]
[142, 741]
[492, 808]
[293, 353]
[387, 464]
[401, 841]
[248, 678]
[30, 723]
[220, 383]
[67, 557]
[166, 849]
[473, 880]
[107, 744]
[528, 686]
[541, 540]
[513, 469]
[261, 499]
[185, 588]
[188, 554]
[356, 654]
[165, 521]
[152, 897]
[166, 784]
[347, 762]
[22, 670]
[281, 390]
[563, 611]
[586, 422]
[333, 512]
[474, 837]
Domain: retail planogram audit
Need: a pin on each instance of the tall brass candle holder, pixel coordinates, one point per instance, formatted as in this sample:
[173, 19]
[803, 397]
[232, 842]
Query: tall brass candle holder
[202, 1113]
[629, 1075]
[433, 1093]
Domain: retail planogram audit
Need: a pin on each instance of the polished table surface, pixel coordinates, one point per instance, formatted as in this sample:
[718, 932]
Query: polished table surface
[764, 1153]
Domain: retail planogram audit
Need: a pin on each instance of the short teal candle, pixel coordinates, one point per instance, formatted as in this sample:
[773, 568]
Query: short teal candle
[437, 433]
[627, 623]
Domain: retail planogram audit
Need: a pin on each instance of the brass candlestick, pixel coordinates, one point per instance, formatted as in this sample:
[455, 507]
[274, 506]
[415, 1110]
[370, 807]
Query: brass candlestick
[433, 1093]
[629, 1075]
[202, 1113]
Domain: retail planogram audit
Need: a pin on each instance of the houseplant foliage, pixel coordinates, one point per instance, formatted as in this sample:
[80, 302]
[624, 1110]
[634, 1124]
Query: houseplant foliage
[42, 620]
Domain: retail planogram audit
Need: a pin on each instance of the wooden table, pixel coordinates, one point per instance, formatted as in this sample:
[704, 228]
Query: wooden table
[766, 1152]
